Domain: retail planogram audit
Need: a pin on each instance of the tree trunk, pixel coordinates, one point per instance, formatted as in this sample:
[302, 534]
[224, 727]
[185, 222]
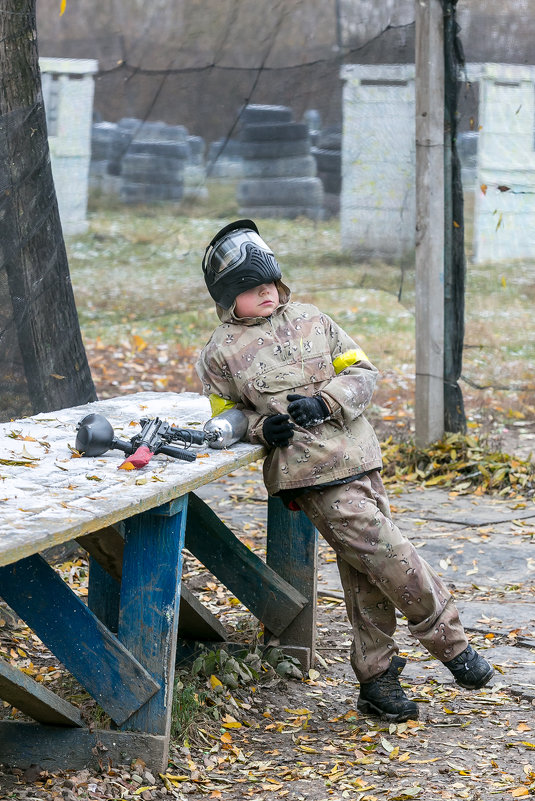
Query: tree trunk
[43, 364]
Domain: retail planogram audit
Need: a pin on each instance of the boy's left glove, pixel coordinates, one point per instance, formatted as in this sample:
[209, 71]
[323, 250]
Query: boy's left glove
[307, 411]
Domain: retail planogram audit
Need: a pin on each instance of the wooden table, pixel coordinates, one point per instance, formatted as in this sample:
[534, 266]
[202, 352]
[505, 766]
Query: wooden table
[121, 646]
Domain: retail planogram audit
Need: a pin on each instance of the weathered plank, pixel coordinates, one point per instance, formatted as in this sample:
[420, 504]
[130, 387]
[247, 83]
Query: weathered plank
[56, 498]
[96, 658]
[196, 622]
[150, 598]
[40, 703]
[106, 547]
[292, 551]
[268, 596]
[103, 595]
[58, 748]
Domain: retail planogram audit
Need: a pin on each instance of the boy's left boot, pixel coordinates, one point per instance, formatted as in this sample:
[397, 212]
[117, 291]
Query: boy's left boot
[385, 697]
[470, 670]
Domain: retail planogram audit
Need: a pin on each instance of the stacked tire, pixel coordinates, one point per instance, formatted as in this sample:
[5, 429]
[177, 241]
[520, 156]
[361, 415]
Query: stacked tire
[224, 160]
[328, 156]
[195, 170]
[103, 135]
[279, 172]
[152, 169]
[124, 133]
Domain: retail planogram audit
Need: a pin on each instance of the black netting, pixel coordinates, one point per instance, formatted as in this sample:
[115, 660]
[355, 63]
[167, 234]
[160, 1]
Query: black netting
[42, 360]
[301, 116]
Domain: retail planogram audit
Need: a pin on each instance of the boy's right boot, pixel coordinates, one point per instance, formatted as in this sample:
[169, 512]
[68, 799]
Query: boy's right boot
[470, 670]
[384, 696]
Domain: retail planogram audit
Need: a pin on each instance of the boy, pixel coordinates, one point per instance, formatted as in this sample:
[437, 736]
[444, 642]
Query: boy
[304, 385]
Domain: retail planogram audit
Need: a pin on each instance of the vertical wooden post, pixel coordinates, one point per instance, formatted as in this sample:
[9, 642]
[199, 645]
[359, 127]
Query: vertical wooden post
[150, 598]
[104, 593]
[429, 85]
[292, 551]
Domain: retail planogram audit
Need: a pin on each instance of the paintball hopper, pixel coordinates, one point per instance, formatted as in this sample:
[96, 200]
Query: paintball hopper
[94, 436]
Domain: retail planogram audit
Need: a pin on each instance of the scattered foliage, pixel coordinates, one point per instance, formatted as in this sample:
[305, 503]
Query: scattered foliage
[208, 689]
[460, 462]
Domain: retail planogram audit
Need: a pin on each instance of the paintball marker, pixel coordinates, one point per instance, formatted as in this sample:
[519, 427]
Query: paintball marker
[95, 436]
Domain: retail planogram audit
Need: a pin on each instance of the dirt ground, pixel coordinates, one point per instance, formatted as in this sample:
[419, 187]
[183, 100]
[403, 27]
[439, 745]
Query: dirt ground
[303, 738]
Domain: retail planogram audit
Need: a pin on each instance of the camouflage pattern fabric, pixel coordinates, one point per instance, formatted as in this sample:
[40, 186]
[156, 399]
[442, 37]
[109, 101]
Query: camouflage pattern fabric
[381, 571]
[256, 362]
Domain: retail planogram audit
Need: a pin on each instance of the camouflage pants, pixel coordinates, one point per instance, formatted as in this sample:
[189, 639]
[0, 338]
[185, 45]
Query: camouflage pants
[381, 571]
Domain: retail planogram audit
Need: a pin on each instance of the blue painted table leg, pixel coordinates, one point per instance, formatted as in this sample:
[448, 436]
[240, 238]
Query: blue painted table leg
[103, 595]
[150, 598]
[292, 548]
[99, 661]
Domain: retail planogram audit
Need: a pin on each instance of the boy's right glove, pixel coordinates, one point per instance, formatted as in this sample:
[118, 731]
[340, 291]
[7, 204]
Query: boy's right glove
[278, 430]
[307, 411]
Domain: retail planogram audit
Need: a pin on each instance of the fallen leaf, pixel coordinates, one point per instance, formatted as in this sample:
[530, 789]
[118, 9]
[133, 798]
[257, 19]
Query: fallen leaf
[139, 343]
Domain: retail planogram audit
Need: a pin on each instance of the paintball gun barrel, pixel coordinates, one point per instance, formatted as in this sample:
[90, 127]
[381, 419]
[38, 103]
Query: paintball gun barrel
[95, 436]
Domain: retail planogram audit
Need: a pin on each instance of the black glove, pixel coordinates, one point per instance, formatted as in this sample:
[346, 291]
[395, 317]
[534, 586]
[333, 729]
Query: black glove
[278, 430]
[307, 411]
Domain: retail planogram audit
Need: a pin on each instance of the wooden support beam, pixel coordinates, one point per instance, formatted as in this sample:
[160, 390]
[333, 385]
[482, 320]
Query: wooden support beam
[150, 598]
[58, 748]
[292, 551]
[429, 303]
[36, 701]
[269, 597]
[106, 547]
[102, 664]
[196, 622]
[103, 595]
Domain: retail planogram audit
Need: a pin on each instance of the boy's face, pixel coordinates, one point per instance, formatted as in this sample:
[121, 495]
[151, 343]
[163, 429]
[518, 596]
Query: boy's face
[260, 301]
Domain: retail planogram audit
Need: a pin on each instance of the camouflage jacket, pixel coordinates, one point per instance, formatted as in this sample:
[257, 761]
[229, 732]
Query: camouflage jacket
[254, 363]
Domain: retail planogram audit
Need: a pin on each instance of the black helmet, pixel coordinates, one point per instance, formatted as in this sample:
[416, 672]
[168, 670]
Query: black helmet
[237, 259]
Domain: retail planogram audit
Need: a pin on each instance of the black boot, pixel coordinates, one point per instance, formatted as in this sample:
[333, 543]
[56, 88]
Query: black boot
[384, 697]
[470, 670]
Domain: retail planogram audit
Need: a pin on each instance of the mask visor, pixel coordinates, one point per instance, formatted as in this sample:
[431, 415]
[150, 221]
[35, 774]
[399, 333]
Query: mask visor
[231, 251]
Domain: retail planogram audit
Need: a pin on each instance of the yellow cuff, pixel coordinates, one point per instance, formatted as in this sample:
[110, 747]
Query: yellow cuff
[219, 404]
[347, 359]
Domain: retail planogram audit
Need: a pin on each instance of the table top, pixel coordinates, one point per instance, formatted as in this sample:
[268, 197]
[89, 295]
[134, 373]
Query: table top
[48, 495]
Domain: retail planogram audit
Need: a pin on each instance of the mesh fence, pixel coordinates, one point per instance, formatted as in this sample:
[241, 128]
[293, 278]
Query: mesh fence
[300, 116]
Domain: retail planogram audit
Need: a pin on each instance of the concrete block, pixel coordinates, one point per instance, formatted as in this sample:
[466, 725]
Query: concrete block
[68, 88]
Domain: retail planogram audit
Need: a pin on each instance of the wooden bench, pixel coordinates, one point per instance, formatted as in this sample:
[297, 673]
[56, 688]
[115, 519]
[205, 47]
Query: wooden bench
[122, 645]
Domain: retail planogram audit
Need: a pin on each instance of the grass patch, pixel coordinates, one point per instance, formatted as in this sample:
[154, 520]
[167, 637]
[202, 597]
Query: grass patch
[188, 707]
[212, 692]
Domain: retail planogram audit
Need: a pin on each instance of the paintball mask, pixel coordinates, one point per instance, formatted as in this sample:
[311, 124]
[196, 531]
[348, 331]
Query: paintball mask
[237, 259]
